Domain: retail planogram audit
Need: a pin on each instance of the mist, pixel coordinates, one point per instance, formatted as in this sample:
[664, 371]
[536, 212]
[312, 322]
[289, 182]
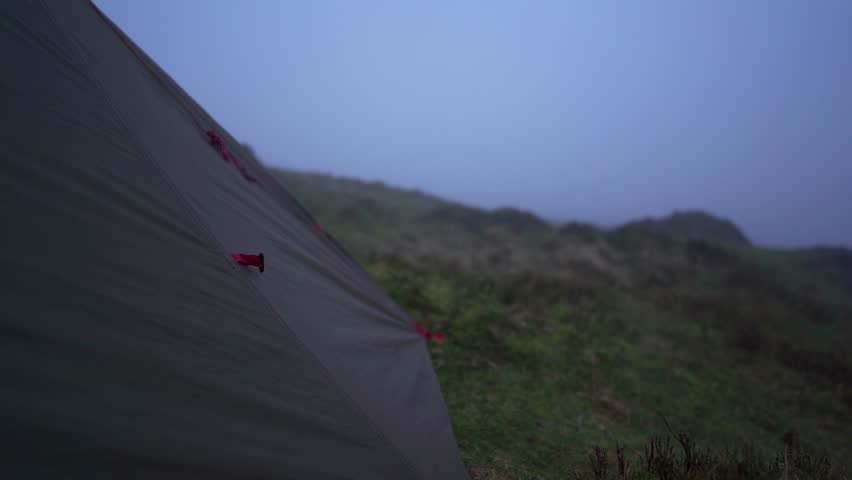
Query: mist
[599, 111]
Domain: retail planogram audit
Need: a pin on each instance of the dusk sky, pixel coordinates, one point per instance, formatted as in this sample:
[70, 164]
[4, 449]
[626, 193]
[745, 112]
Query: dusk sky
[599, 111]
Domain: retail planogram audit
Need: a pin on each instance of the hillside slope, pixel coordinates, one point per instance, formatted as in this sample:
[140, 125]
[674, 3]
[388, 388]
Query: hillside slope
[691, 224]
[565, 337]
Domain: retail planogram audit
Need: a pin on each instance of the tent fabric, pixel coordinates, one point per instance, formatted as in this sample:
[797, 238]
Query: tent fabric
[131, 342]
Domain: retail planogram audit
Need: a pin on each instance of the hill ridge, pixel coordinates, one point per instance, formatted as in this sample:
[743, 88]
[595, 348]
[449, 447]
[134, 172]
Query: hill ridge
[424, 206]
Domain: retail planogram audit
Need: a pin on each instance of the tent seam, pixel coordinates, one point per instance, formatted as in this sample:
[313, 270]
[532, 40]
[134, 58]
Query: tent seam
[203, 117]
[326, 239]
[202, 224]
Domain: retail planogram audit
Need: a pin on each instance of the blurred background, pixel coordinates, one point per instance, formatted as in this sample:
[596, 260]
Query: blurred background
[603, 111]
[630, 218]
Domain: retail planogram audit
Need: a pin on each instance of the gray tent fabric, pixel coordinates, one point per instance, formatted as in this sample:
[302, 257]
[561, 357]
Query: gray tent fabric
[131, 343]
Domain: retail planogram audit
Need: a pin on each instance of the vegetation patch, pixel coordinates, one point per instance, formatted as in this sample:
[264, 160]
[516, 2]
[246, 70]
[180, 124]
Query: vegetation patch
[685, 356]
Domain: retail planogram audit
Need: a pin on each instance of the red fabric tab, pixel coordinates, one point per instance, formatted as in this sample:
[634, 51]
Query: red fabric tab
[320, 229]
[246, 259]
[427, 334]
[219, 144]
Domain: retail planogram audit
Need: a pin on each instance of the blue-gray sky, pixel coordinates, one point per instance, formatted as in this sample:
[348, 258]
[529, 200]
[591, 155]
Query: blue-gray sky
[602, 111]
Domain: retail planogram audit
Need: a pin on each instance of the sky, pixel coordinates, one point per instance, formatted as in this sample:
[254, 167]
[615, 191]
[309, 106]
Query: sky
[601, 111]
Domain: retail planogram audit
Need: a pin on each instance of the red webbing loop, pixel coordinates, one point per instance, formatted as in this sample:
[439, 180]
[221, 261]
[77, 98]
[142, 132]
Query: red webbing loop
[427, 334]
[251, 260]
[219, 144]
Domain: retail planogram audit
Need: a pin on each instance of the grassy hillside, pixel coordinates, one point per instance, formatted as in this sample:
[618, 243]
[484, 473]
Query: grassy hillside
[562, 338]
[691, 224]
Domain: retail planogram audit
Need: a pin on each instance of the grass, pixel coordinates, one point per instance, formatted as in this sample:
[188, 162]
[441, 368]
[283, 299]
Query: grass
[678, 456]
[533, 387]
[560, 343]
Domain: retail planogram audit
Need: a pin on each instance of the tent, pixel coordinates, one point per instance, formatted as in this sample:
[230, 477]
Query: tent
[139, 337]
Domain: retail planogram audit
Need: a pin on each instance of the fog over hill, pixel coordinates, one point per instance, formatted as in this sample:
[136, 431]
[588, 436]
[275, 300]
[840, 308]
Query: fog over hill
[572, 110]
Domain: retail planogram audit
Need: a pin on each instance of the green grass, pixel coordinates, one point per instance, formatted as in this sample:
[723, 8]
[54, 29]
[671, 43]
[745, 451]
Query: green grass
[551, 353]
[533, 387]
